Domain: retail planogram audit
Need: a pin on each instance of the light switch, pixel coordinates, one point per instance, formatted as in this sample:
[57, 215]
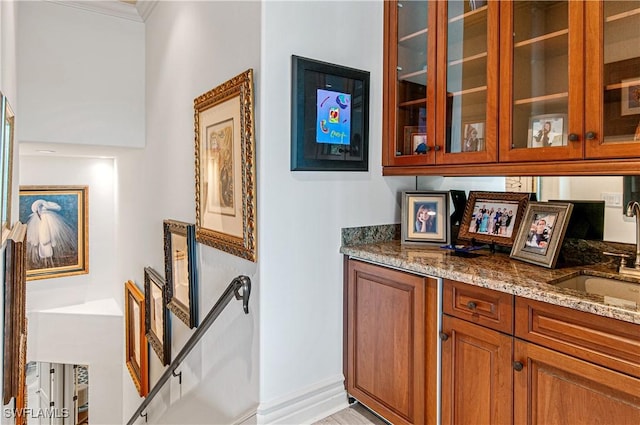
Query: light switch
[612, 199]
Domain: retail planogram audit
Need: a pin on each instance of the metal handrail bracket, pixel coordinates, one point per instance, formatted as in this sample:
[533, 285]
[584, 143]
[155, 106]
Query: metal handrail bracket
[240, 289]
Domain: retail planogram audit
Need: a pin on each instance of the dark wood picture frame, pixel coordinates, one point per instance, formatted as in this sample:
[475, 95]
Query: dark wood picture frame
[540, 237]
[481, 203]
[329, 117]
[156, 317]
[137, 360]
[181, 271]
[15, 320]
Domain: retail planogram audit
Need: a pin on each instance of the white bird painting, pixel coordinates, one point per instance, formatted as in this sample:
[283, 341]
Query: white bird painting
[50, 239]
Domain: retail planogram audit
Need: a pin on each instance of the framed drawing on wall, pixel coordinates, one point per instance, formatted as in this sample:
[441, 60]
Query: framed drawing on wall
[136, 356]
[329, 114]
[156, 319]
[57, 219]
[225, 167]
[181, 272]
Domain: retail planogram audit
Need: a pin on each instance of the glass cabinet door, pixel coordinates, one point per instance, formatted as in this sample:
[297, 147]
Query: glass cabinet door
[408, 37]
[542, 62]
[613, 79]
[467, 81]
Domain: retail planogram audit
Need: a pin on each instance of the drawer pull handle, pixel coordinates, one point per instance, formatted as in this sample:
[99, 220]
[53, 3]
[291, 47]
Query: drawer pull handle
[444, 336]
[518, 366]
[471, 305]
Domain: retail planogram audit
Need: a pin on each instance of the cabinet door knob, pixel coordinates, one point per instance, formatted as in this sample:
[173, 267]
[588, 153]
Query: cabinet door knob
[518, 366]
[590, 135]
[444, 336]
[573, 137]
[471, 305]
[436, 148]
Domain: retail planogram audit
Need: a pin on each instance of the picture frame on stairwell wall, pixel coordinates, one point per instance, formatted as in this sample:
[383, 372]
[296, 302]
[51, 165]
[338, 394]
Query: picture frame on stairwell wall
[136, 354]
[61, 213]
[226, 167]
[181, 271]
[156, 318]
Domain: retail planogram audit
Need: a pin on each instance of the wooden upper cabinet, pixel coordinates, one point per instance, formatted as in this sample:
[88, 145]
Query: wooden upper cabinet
[467, 82]
[613, 79]
[512, 87]
[409, 82]
[542, 86]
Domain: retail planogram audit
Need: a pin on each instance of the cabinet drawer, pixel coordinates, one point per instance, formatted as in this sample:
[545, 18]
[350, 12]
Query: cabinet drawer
[608, 342]
[483, 306]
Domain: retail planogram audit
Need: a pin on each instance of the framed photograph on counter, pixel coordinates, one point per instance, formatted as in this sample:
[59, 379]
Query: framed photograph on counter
[493, 217]
[540, 237]
[425, 217]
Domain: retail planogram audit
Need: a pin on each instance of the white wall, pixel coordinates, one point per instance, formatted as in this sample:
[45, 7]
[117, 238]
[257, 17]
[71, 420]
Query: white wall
[192, 47]
[301, 213]
[80, 79]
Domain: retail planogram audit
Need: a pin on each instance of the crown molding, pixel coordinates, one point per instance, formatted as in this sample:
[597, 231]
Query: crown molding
[145, 7]
[118, 9]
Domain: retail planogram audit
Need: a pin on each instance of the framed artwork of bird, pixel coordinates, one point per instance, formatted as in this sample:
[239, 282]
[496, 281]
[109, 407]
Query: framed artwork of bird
[57, 219]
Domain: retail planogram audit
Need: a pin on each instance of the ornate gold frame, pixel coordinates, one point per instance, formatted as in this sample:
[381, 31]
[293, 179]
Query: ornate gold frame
[15, 320]
[230, 231]
[81, 219]
[139, 370]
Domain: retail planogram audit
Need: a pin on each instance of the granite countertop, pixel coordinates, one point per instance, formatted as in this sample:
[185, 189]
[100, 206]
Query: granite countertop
[381, 245]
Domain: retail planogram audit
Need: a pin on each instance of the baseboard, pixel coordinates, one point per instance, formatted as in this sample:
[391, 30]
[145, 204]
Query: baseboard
[307, 405]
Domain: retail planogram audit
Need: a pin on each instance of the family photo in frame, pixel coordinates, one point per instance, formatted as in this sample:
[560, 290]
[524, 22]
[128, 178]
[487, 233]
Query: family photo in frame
[540, 237]
[493, 217]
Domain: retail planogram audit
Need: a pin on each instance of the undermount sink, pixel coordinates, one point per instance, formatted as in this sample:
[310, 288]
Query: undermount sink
[616, 292]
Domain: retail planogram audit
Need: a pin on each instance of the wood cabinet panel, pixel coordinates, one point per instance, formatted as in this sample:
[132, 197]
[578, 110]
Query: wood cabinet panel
[388, 344]
[605, 341]
[553, 388]
[479, 305]
[477, 386]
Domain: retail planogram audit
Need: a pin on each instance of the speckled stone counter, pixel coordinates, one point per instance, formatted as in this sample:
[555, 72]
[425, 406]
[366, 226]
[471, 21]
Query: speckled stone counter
[381, 245]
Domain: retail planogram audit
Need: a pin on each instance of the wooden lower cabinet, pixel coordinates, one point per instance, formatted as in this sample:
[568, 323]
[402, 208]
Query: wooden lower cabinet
[391, 343]
[562, 367]
[477, 375]
[554, 388]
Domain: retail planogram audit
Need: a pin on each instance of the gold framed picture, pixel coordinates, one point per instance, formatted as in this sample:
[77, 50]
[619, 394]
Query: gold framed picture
[225, 167]
[57, 219]
[136, 343]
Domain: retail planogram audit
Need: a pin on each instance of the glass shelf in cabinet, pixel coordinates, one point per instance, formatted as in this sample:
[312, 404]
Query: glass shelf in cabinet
[546, 46]
[555, 98]
[472, 16]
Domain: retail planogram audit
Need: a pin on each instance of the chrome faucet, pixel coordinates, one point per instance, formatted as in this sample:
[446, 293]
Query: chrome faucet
[633, 209]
